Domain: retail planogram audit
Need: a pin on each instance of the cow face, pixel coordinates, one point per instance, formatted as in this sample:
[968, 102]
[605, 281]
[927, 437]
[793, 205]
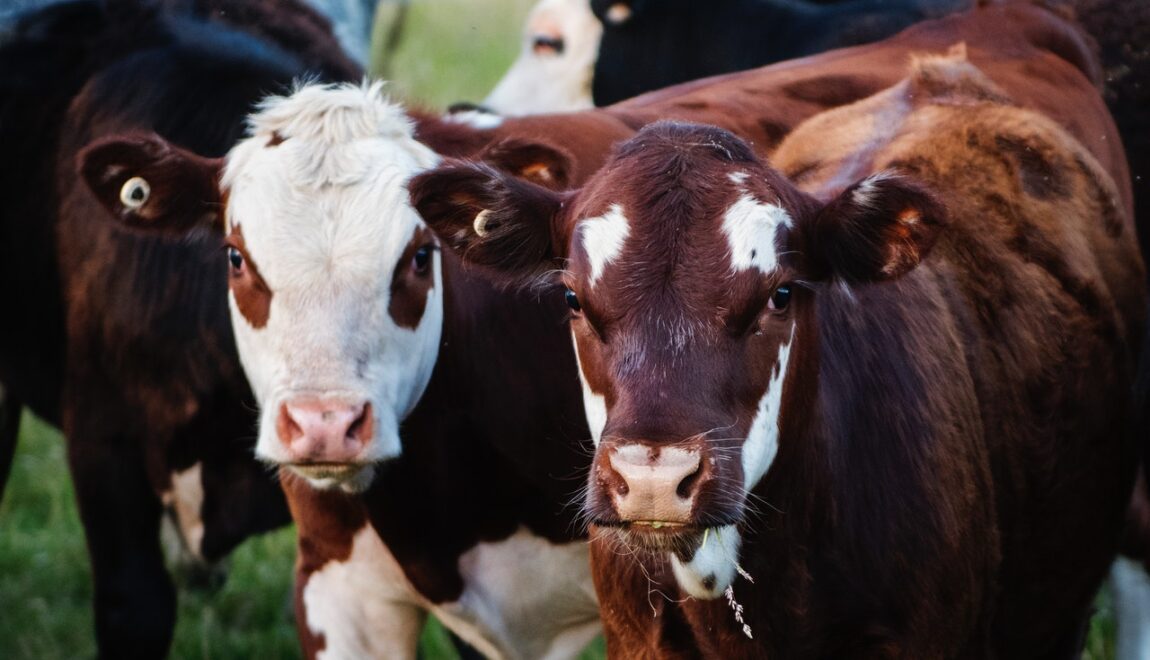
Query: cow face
[335, 283]
[691, 270]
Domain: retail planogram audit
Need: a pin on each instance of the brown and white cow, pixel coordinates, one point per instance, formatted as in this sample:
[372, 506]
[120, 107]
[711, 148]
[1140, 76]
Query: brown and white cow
[350, 322]
[876, 401]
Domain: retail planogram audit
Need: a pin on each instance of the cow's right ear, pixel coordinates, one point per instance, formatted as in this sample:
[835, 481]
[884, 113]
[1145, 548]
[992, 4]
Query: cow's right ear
[491, 218]
[150, 184]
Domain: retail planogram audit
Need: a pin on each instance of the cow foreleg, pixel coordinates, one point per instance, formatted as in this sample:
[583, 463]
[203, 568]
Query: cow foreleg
[9, 428]
[134, 600]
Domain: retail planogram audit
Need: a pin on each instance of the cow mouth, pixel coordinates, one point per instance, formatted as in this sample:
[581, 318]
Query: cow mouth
[349, 476]
[655, 535]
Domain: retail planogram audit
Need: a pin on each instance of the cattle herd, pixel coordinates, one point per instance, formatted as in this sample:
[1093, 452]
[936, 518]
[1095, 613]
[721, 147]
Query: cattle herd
[840, 356]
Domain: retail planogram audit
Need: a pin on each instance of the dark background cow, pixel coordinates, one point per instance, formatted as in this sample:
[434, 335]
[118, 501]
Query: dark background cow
[124, 341]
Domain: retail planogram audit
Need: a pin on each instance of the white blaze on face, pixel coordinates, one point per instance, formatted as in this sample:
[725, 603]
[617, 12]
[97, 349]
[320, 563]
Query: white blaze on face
[762, 443]
[545, 78]
[751, 228]
[319, 191]
[594, 405]
[603, 238]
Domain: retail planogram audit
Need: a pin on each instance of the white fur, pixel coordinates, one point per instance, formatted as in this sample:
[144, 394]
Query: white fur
[524, 598]
[1130, 589]
[185, 499]
[751, 228]
[551, 82]
[603, 239]
[364, 606]
[325, 217]
[594, 405]
[716, 559]
[476, 119]
[762, 443]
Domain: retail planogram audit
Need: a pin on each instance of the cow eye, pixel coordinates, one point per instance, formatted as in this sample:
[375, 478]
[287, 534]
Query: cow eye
[780, 298]
[236, 259]
[544, 45]
[573, 301]
[421, 262]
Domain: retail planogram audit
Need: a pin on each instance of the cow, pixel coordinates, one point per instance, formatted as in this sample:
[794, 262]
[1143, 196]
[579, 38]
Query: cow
[370, 502]
[123, 342]
[648, 45]
[553, 70]
[874, 399]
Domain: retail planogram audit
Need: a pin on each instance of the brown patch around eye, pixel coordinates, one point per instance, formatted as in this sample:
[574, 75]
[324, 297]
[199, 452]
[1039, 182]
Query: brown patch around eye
[253, 297]
[276, 139]
[408, 287]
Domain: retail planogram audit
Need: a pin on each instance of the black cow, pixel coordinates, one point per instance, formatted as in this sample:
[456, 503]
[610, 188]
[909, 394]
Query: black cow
[122, 341]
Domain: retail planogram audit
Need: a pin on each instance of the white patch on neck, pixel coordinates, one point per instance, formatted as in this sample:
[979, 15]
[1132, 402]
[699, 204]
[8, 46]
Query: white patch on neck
[364, 606]
[594, 405]
[476, 119]
[185, 499]
[603, 239]
[525, 597]
[751, 228]
[713, 567]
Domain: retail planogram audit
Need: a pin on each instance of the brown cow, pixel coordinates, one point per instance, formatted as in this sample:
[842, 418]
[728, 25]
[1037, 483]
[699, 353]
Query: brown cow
[876, 402]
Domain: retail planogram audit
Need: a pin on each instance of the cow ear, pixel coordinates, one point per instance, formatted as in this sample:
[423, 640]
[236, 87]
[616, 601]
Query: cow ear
[152, 185]
[538, 163]
[490, 218]
[878, 229]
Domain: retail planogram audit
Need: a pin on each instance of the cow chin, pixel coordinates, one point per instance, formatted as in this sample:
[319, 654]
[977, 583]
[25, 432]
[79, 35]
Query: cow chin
[348, 477]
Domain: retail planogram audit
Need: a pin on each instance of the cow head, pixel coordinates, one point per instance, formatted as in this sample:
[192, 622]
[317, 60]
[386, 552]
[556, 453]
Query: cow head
[691, 269]
[335, 283]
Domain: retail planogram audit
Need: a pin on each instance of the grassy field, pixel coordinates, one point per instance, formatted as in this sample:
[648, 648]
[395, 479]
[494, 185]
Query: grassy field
[453, 50]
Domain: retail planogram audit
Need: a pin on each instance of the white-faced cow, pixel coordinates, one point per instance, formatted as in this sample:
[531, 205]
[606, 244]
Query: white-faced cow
[553, 70]
[123, 341]
[350, 323]
[874, 402]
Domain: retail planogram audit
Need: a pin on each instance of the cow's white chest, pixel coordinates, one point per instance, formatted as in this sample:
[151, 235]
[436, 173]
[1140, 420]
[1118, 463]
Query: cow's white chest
[525, 597]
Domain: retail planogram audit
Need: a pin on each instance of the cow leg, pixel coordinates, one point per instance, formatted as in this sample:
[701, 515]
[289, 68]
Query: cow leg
[9, 429]
[135, 602]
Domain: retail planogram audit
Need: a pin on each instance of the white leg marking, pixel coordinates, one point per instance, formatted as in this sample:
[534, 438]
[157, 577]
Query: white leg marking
[751, 227]
[712, 569]
[1130, 586]
[364, 606]
[603, 239]
[525, 597]
[762, 443]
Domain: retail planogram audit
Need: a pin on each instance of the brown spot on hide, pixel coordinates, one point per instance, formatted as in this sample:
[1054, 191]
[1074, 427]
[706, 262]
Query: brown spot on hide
[410, 285]
[253, 297]
[1039, 178]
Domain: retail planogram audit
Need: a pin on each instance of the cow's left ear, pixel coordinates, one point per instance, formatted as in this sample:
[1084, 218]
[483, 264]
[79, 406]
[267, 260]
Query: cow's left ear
[491, 218]
[538, 163]
[878, 229]
[149, 184]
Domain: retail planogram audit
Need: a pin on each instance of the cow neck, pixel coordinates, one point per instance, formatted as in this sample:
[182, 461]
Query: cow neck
[493, 446]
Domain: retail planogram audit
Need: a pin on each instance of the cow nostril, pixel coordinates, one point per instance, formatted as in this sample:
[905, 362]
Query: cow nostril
[686, 487]
[360, 428]
[287, 428]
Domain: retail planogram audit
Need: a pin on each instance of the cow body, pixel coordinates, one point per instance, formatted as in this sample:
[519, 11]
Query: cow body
[813, 438]
[124, 342]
